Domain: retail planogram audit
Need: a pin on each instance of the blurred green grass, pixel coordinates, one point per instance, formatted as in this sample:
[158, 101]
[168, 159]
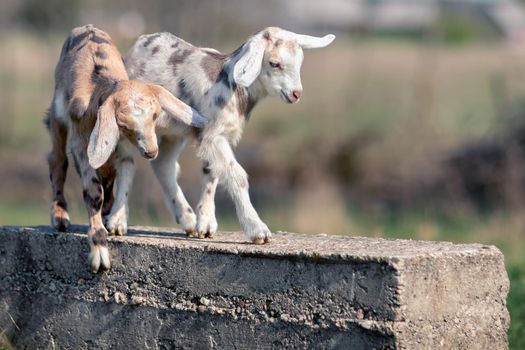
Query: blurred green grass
[416, 102]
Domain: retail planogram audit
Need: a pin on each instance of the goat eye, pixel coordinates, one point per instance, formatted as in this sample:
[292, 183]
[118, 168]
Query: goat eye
[275, 64]
[155, 116]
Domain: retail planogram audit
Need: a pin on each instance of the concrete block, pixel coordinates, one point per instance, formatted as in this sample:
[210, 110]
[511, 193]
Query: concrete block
[301, 291]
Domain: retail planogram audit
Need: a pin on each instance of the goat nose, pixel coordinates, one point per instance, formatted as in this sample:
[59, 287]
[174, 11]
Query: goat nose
[151, 154]
[297, 94]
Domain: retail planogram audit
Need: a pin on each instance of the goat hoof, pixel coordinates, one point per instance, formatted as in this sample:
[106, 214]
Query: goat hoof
[261, 240]
[206, 226]
[258, 241]
[99, 259]
[204, 235]
[61, 224]
[118, 231]
[121, 231]
[60, 221]
[260, 234]
[191, 232]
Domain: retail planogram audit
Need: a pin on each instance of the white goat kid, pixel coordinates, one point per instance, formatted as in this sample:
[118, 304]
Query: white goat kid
[224, 88]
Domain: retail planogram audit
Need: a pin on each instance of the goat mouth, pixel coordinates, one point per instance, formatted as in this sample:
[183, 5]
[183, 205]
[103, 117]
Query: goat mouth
[286, 98]
[150, 155]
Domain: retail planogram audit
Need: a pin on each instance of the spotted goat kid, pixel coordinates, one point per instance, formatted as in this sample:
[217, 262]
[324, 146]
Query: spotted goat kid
[225, 88]
[102, 114]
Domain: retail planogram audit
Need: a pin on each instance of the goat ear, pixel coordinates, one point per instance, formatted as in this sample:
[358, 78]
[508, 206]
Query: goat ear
[249, 61]
[313, 42]
[178, 109]
[104, 136]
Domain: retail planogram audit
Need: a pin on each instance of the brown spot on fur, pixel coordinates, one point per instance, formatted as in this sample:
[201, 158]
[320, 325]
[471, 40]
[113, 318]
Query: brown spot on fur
[150, 39]
[99, 237]
[88, 33]
[99, 40]
[77, 108]
[220, 101]
[178, 57]
[93, 202]
[197, 133]
[99, 69]
[142, 68]
[103, 89]
[59, 216]
[212, 64]
[65, 165]
[245, 103]
[108, 197]
[101, 54]
[185, 94]
[224, 78]
[79, 41]
[155, 50]
[61, 203]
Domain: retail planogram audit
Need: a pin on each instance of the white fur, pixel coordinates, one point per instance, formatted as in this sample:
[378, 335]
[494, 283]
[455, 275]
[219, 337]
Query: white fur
[190, 80]
[167, 170]
[247, 68]
[312, 42]
[60, 107]
[206, 221]
[104, 137]
[99, 258]
[117, 220]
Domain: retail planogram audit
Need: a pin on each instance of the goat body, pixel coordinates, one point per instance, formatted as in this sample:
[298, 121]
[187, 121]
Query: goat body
[94, 104]
[224, 88]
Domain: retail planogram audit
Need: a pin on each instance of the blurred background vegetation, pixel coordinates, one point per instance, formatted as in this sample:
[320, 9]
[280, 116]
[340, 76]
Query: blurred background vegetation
[412, 124]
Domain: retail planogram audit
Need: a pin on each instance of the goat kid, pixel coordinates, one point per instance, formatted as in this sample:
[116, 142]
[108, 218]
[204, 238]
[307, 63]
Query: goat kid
[94, 104]
[225, 88]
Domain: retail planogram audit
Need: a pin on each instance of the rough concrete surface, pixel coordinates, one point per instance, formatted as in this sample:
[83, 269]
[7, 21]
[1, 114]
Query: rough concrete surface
[301, 291]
